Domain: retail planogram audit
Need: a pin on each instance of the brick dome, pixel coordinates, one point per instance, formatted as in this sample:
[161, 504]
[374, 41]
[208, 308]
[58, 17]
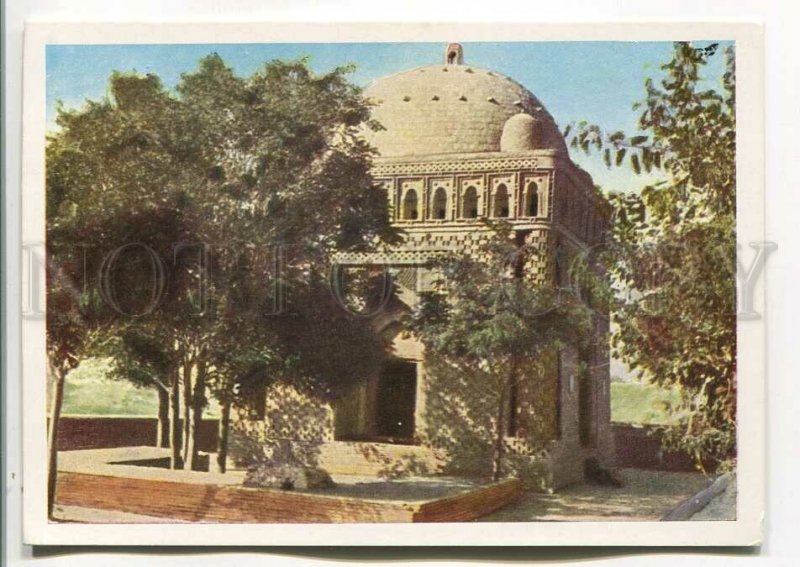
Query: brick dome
[519, 133]
[453, 108]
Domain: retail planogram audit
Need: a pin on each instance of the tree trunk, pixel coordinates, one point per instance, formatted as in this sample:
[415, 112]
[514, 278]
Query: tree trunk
[162, 436]
[222, 435]
[198, 401]
[497, 454]
[187, 411]
[52, 447]
[175, 461]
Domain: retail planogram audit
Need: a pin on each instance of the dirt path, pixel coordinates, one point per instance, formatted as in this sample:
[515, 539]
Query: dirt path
[646, 495]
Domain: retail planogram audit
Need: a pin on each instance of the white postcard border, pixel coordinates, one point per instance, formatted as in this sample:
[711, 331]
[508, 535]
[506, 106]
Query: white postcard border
[746, 530]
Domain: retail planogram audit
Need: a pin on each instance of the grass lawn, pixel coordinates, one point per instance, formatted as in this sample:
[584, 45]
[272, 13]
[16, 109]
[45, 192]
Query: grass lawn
[89, 392]
[635, 402]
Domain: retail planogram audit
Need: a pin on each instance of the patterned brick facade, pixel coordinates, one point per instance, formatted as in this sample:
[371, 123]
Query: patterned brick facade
[461, 145]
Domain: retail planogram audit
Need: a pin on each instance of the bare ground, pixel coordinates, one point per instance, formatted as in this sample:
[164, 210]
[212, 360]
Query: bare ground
[645, 496]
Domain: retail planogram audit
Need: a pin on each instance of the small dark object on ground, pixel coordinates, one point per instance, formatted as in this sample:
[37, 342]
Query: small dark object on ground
[599, 475]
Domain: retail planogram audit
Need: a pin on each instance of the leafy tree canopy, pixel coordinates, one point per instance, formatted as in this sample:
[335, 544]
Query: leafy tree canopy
[174, 216]
[490, 322]
[672, 250]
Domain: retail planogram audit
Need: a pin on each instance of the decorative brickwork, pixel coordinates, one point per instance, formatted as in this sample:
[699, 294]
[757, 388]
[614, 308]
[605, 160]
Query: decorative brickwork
[461, 148]
[447, 164]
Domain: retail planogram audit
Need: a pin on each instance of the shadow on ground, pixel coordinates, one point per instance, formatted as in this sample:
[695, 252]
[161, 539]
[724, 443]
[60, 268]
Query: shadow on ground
[646, 495]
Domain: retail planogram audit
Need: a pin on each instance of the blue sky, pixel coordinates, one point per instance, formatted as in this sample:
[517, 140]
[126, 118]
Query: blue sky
[594, 81]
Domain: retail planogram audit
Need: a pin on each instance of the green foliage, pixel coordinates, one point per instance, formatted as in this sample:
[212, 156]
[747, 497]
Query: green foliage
[240, 165]
[487, 316]
[91, 389]
[672, 250]
[643, 404]
[136, 356]
[485, 321]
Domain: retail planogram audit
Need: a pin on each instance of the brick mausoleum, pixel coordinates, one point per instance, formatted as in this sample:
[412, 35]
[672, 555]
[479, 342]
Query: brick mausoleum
[460, 144]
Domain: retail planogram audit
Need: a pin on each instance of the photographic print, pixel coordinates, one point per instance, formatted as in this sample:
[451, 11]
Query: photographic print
[482, 278]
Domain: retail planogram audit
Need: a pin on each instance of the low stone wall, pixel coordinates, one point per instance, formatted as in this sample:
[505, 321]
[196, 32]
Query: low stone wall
[195, 502]
[218, 504]
[639, 447]
[470, 505]
[101, 432]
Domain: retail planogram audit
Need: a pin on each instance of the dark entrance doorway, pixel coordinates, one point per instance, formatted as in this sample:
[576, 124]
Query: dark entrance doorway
[395, 400]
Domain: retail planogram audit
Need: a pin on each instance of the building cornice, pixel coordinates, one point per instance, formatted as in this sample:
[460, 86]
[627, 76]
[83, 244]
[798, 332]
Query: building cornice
[462, 163]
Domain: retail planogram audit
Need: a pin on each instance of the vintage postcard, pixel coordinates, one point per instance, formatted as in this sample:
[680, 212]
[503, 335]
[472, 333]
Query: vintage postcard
[500, 280]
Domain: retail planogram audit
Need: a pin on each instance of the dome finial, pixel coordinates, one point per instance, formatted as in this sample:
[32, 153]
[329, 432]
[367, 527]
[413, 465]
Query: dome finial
[454, 54]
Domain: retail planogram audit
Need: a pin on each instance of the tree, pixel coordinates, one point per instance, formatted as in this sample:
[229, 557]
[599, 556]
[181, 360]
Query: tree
[672, 249]
[68, 333]
[75, 231]
[109, 168]
[489, 321]
[192, 193]
[138, 356]
[319, 345]
[235, 374]
[285, 178]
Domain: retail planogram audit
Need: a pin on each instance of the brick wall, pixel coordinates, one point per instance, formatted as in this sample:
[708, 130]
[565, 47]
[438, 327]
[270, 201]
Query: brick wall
[218, 504]
[639, 447]
[97, 432]
[222, 504]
